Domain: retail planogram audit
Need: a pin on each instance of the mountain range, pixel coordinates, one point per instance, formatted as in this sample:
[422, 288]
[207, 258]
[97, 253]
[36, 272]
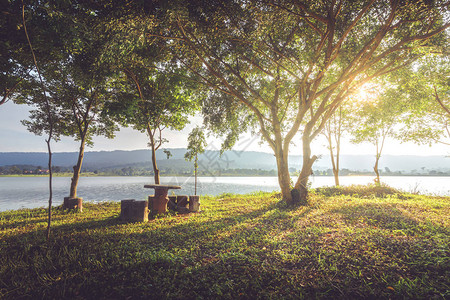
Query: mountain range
[212, 159]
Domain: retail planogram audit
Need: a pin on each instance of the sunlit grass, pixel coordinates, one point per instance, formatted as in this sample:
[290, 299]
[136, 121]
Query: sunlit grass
[343, 245]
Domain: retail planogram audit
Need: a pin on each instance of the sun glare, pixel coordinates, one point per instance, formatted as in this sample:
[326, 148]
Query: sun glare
[366, 93]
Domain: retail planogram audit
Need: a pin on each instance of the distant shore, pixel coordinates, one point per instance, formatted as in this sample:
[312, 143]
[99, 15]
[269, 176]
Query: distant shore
[213, 175]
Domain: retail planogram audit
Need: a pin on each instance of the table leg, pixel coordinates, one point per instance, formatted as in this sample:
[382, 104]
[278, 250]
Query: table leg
[159, 201]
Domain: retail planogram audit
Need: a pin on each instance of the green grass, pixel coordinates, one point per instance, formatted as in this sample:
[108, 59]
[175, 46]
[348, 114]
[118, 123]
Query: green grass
[342, 245]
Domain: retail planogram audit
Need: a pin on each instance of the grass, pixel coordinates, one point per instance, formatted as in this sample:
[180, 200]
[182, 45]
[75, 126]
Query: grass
[343, 245]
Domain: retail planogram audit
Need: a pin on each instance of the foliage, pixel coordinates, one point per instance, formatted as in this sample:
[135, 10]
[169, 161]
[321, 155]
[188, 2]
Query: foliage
[76, 84]
[277, 67]
[283, 67]
[151, 100]
[196, 146]
[15, 56]
[426, 86]
[249, 247]
[375, 120]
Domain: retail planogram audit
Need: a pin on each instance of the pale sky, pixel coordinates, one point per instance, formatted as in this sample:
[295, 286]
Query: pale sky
[14, 137]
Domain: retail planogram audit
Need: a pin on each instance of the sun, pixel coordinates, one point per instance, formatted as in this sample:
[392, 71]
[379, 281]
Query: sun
[366, 93]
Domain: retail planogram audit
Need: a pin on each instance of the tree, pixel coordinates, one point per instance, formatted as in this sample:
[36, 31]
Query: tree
[46, 106]
[160, 100]
[289, 65]
[196, 146]
[333, 131]
[375, 121]
[151, 90]
[77, 84]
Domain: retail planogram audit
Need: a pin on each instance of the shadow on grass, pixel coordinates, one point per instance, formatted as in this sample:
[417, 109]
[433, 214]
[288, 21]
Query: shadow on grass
[381, 215]
[105, 258]
[229, 256]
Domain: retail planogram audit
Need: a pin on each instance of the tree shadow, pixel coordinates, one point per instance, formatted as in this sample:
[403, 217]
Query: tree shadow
[124, 256]
[24, 218]
[384, 216]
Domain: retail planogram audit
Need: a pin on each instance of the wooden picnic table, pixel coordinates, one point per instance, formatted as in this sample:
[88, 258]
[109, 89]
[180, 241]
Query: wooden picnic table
[159, 201]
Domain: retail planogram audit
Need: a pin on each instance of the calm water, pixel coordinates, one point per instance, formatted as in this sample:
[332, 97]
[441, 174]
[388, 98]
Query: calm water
[30, 192]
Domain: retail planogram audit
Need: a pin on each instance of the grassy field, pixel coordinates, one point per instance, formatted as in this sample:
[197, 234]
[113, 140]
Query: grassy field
[359, 242]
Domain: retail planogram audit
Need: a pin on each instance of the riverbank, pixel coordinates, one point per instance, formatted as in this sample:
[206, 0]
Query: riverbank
[359, 243]
[92, 174]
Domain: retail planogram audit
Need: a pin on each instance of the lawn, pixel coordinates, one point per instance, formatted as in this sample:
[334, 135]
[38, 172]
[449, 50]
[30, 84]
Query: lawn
[358, 242]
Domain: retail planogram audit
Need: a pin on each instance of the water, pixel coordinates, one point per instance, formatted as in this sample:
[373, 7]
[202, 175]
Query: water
[30, 192]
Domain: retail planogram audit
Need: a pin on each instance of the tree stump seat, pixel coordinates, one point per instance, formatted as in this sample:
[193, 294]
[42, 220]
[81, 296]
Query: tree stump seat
[73, 203]
[183, 201]
[172, 204]
[134, 211]
[184, 204]
[194, 203]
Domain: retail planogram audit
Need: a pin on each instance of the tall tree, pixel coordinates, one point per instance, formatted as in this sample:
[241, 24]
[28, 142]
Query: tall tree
[334, 130]
[46, 106]
[374, 121]
[196, 146]
[158, 100]
[77, 83]
[290, 64]
[152, 93]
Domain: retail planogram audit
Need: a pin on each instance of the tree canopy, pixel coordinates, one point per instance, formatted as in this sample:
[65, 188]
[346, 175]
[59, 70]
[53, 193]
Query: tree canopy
[290, 64]
[281, 68]
[426, 88]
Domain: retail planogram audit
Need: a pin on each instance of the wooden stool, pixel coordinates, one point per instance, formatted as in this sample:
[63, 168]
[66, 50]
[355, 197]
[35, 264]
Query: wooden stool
[182, 201]
[194, 203]
[73, 203]
[172, 204]
[134, 211]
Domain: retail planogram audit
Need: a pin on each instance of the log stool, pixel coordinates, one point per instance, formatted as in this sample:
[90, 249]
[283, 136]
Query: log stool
[194, 203]
[73, 203]
[183, 201]
[172, 204]
[134, 211]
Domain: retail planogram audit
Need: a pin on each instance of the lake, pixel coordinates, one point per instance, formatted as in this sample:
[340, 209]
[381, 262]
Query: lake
[31, 192]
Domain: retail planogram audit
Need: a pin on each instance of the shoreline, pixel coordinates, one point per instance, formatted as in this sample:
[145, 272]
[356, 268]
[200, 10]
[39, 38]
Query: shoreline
[230, 175]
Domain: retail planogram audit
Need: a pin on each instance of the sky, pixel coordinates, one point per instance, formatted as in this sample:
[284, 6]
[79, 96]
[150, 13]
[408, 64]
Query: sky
[14, 137]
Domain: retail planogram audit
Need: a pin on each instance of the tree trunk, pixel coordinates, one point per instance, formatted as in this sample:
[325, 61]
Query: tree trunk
[3, 100]
[77, 169]
[336, 177]
[338, 150]
[195, 174]
[284, 178]
[155, 166]
[152, 145]
[375, 168]
[334, 163]
[301, 186]
[50, 180]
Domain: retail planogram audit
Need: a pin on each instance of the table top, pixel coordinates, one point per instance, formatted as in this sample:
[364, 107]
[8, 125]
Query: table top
[162, 186]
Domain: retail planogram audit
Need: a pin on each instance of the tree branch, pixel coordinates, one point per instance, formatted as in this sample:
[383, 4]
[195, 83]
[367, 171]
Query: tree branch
[436, 96]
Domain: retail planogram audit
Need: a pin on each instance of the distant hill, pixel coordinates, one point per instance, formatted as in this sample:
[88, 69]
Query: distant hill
[212, 160]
